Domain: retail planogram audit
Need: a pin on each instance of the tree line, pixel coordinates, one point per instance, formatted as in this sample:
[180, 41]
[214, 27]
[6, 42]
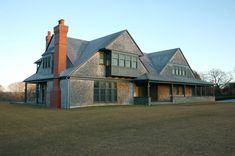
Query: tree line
[15, 92]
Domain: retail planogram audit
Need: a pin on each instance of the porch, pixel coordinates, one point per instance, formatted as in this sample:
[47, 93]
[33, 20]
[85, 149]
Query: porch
[36, 94]
[149, 92]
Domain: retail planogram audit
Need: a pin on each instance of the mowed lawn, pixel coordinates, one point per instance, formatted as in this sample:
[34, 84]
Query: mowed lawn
[171, 130]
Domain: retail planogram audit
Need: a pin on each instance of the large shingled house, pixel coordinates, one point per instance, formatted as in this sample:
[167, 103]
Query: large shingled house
[111, 70]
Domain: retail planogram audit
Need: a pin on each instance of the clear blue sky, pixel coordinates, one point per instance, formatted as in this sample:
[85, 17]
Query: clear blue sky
[203, 29]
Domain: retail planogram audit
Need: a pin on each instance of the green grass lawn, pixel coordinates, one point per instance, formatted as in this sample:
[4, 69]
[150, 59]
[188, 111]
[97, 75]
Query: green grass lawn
[171, 130]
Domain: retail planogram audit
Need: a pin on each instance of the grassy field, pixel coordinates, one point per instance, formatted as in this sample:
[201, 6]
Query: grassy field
[171, 130]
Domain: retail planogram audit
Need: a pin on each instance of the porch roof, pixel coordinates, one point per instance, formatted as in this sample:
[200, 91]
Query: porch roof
[38, 77]
[170, 79]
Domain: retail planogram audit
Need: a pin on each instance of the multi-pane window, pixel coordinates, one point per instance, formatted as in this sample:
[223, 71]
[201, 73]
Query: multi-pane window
[121, 60]
[176, 71]
[46, 62]
[101, 59]
[115, 59]
[128, 61]
[134, 62]
[105, 91]
[124, 60]
[179, 71]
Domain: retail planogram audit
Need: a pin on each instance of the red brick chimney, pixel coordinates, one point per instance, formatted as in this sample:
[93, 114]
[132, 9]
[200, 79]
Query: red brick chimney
[60, 44]
[48, 38]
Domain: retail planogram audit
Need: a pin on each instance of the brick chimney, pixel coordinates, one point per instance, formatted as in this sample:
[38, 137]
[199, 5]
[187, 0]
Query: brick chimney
[60, 44]
[48, 38]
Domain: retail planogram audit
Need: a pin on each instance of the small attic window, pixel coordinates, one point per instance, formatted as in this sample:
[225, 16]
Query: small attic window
[101, 57]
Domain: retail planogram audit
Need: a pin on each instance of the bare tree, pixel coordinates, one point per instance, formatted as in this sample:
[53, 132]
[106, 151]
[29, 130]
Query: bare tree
[219, 78]
[1, 88]
[17, 90]
[16, 87]
[197, 75]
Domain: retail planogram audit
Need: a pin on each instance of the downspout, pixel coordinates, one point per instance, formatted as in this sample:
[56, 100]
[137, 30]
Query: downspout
[68, 100]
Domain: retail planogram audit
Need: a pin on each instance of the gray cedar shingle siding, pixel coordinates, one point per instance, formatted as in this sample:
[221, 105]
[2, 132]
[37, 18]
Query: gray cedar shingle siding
[81, 92]
[177, 60]
[124, 43]
[91, 68]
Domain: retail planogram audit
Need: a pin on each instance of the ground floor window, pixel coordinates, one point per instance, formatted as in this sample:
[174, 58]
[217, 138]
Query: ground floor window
[105, 91]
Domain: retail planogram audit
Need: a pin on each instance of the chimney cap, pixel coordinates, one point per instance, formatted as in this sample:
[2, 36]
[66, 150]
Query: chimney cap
[61, 21]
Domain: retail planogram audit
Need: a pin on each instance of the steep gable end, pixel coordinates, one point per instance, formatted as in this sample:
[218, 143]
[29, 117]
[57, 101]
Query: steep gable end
[125, 43]
[177, 62]
[178, 58]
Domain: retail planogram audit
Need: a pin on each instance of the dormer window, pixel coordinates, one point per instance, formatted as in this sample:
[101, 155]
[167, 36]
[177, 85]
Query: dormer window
[46, 62]
[181, 71]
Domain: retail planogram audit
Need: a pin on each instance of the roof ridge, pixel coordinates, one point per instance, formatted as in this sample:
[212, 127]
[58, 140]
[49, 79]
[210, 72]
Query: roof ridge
[76, 39]
[163, 51]
[119, 32]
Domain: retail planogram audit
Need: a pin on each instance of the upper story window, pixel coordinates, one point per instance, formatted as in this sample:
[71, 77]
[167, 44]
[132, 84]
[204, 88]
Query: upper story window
[101, 59]
[128, 61]
[124, 60]
[121, 60]
[46, 62]
[181, 71]
[115, 59]
[134, 62]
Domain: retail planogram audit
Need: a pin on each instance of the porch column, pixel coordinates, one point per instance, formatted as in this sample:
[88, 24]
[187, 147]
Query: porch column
[148, 92]
[25, 92]
[205, 90]
[201, 90]
[37, 92]
[171, 90]
[184, 89]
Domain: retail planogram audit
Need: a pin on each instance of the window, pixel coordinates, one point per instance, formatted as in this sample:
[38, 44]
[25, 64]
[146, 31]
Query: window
[121, 60]
[115, 59]
[128, 61]
[46, 62]
[105, 91]
[176, 71]
[180, 71]
[173, 71]
[49, 62]
[101, 59]
[134, 62]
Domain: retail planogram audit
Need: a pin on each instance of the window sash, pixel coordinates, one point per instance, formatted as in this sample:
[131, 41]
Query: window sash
[101, 57]
[105, 91]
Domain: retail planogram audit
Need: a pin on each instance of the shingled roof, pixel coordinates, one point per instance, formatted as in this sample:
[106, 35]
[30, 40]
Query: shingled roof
[155, 63]
[78, 52]
[161, 58]
[171, 79]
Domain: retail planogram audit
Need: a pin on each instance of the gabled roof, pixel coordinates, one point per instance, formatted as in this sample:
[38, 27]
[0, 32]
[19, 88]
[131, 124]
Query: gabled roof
[79, 51]
[87, 50]
[160, 59]
[155, 64]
